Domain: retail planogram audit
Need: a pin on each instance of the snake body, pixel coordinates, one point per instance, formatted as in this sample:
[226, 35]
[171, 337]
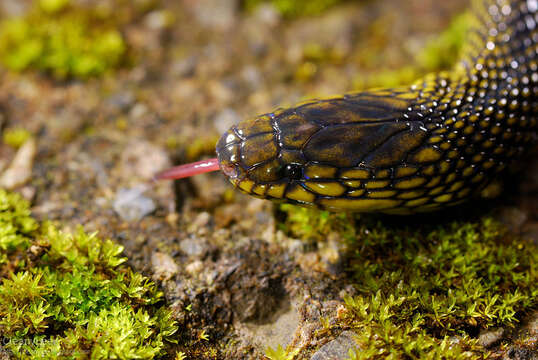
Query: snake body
[418, 148]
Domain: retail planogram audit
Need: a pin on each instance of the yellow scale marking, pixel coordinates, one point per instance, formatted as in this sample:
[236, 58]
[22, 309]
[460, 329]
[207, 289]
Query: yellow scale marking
[300, 194]
[356, 193]
[410, 183]
[320, 172]
[355, 174]
[276, 191]
[326, 188]
[382, 194]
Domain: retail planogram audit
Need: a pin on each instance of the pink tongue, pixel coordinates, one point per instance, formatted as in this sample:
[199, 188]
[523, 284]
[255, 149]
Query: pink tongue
[187, 170]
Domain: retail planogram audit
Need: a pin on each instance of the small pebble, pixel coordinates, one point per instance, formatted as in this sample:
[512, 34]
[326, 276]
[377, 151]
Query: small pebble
[121, 101]
[132, 205]
[512, 217]
[163, 265]
[20, 169]
[143, 160]
[13, 8]
[490, 337]
[336, 349]
[138, 111]
[215, 14]
[202, 220]
[267, 14]
[172, 218]
[159, 19]
[192, 246]
[195, 267]
[28, 192]
[185, 66]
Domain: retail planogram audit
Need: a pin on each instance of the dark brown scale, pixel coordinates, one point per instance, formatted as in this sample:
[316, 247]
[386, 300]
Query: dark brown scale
[414, 149]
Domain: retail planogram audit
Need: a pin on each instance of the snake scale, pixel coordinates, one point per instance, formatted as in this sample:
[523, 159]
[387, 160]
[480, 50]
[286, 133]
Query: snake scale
[420, 148]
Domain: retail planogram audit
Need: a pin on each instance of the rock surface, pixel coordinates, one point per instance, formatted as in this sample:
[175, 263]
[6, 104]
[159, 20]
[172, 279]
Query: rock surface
[336, 349]
[19, 171]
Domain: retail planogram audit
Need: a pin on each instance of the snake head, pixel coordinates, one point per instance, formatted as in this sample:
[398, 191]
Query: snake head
[255, 157]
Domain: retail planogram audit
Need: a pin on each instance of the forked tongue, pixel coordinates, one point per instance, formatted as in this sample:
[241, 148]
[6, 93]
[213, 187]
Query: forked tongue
[188, 170]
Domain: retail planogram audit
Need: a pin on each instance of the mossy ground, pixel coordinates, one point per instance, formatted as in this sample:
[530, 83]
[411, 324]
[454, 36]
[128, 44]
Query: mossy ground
[69, 296]
[426, 292]
[63, 40]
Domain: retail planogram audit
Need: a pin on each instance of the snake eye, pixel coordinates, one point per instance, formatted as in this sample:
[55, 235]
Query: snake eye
[293, 171]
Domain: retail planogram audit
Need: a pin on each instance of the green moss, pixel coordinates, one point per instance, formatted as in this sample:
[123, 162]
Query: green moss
[16, 225]
[53, 6]
[16, 137]
[61, 40]
[294, 8]
[443, 51]
[420, 289]
[315, 225]
[427, 291]
[440, 53]
[70, 296]
[388, 78]
[280, 353]
[195, 149]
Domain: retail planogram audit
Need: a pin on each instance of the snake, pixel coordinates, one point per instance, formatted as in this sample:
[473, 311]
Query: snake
[436, 143]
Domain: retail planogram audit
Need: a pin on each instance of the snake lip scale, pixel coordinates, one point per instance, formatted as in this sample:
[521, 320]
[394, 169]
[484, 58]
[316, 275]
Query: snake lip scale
[419, 148]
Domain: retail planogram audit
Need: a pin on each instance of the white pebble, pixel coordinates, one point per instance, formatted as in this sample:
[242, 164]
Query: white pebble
[132, 205]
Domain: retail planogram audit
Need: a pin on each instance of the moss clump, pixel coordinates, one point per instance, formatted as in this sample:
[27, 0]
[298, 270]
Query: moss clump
[68, 296]
[294, 8]
[280, 353]
[61, 40]
[16, 225]
[16, 137]
[315, 225]
[427, 292]
[388, 78]
[441, 53]
[196, 148]
[53, 6]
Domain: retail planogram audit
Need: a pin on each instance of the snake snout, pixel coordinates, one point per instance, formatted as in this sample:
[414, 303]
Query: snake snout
[249, 155]
[228, 154]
